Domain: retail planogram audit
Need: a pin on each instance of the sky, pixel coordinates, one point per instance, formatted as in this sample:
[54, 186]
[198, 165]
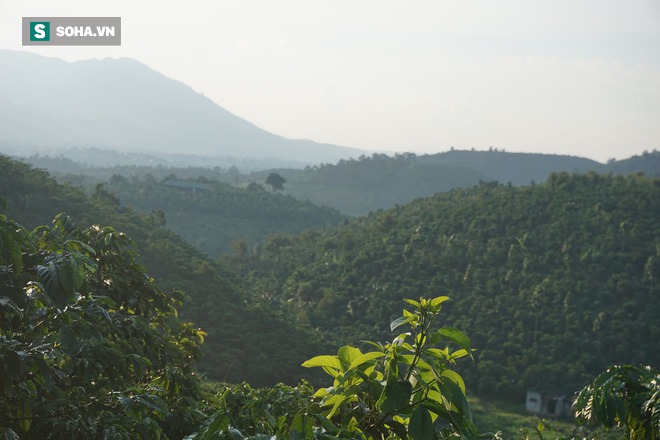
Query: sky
[579, 77]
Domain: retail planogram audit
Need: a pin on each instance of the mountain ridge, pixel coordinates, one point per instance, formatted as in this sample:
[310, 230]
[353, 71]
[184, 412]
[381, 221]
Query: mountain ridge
[124, 104]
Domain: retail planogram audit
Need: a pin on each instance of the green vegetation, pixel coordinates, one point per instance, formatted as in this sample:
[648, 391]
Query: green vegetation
[405, 389]
[356, 187]
[88, 345]
[510, 421]
[626, 396]
[551, 281]
[648, 163]
[235, 349]
[217, 217]
[276, 181]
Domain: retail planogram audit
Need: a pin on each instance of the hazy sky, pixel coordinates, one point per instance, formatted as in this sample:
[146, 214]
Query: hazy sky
[570, 77]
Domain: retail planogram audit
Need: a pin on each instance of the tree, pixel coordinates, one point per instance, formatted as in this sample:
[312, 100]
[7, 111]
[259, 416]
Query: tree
[276, 181]
[624, 396]
[89, 347]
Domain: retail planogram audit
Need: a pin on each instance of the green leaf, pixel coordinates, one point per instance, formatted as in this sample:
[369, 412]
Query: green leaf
[323, 361]
[421, 424]
[438, 300]
[25, 414]
[459, 353]
[399, 322]
[212, 427]
[456, 336]
[49, 275]
[455, 397]
[435, 302]
[303, 424]
[14, 250]
[347, 355]
[413, 302]
[336, 401]
[454, 377]
[69, 341]
[155, 403]
[395, 397]
[364, 358]
[441, 355]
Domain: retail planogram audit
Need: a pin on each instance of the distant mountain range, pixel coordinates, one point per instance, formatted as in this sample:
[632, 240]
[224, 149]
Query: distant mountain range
[354, 187]
[124, 105]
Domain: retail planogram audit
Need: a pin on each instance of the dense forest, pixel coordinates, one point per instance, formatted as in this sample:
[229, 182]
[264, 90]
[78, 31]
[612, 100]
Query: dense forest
[217, 217]
[552, 281]
[235, 348]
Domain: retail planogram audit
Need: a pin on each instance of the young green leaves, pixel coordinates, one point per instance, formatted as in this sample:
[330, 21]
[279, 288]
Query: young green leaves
[405, 389]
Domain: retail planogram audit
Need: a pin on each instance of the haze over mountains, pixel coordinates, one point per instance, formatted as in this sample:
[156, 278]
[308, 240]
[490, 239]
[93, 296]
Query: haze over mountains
[125, 105]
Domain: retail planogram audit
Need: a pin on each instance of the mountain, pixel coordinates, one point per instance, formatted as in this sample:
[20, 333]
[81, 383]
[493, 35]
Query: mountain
[552, 282]
[125, 105]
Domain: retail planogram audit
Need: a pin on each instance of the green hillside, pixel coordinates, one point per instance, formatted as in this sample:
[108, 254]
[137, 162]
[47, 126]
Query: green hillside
[517, 168]
[356, 187]
[213, 215]
[236, 348]
[553, 282]
[647, 163]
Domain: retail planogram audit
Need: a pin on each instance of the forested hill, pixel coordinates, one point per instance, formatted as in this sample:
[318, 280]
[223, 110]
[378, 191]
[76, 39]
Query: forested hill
[217, 217]
[517, 168]
[236, 348]
[553, 281]
[647, 163]
[356, 187]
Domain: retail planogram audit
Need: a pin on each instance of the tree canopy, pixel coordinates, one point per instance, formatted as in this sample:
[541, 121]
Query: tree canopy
[552, 281]
[276, 181]
[89, 347]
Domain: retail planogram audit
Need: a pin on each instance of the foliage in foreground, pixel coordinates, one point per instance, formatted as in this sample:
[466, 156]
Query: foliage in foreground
[89, 347]
[405, 389]
[626, 396]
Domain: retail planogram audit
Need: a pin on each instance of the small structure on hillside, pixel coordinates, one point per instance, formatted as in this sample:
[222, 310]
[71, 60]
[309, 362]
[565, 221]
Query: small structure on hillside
[548, 404]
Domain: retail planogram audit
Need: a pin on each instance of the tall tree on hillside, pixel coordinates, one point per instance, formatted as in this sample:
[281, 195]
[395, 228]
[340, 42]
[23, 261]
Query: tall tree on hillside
[276, 181]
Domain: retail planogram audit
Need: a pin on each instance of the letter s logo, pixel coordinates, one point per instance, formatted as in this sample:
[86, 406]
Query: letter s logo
[40, 31]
